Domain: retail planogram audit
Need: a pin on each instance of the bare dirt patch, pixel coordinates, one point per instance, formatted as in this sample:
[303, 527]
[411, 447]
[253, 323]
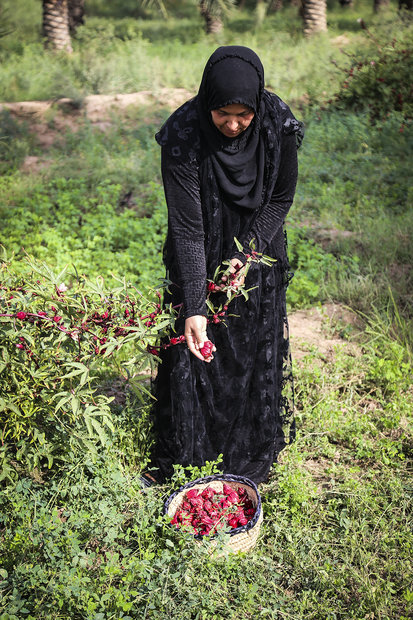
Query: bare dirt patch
[33, 164]
[317, 328]
[48, 120]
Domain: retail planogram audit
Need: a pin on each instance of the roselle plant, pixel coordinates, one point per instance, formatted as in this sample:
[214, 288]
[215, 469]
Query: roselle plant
[57, 336]
[60, 333]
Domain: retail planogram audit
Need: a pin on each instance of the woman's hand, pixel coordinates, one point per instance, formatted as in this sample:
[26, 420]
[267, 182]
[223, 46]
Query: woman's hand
[236, 267]
[196, 336]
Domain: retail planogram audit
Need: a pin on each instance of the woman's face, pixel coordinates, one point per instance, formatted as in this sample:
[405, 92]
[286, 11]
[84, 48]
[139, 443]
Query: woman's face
[233, 119]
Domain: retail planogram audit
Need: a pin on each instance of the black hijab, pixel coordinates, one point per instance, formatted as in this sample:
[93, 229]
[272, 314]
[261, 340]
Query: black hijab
[234, 74]
[236, 174]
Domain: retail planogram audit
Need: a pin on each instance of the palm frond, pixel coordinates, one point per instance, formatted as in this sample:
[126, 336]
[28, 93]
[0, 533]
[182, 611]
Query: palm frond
[159, 4]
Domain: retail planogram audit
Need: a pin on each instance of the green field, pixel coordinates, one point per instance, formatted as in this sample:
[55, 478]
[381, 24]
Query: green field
[78, 538]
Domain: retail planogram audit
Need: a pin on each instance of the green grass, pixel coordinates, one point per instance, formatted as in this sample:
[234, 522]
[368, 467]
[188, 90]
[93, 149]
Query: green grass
[110, 216]
[335, 542]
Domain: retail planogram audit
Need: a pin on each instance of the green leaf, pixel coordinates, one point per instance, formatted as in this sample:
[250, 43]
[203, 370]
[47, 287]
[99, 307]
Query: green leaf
[62, 402]
[238, 244]
[216, 272]
[75, 404]
[84, 378]
[109, 349]
[98, 428]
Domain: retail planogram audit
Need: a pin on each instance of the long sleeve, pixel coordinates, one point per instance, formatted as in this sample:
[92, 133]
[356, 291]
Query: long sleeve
[272, 216]
[185, 227]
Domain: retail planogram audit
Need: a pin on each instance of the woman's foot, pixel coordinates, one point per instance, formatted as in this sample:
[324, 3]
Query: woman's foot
[147, 480]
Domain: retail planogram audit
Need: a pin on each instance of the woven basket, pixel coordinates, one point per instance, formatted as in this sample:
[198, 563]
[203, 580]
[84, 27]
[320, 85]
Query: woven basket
[241, 538]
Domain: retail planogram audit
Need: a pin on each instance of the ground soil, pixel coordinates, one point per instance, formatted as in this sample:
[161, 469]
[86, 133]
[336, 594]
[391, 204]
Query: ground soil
[320, 329]
[49, 120]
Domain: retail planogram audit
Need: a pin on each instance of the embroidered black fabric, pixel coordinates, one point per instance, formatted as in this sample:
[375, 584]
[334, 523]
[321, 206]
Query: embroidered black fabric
[241, 404]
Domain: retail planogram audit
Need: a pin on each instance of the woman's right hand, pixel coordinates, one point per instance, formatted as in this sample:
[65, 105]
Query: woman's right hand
[237, 267]
[196, 336]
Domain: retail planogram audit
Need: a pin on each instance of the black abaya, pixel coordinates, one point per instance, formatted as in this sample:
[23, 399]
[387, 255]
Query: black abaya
[237, 405]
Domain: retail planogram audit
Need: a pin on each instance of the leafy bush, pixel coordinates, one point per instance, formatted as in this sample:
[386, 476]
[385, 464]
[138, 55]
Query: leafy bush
[55, 341]
[313, 268]
[380, 81]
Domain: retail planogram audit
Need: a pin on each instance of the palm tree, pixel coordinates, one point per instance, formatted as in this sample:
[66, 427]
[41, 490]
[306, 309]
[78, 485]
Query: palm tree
[314, 13]
[76, 10]
[213, 12]
[56, 25]
[213, 22]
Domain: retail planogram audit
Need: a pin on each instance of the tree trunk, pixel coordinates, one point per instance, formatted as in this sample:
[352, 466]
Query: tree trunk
[314, 13]
[76, 12]
[275, 5]
[56, 25]
[380, 4]
[260, 12]
[213, 24]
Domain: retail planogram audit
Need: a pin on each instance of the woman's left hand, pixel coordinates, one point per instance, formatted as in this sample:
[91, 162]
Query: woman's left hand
[196, 336]
[236, 267]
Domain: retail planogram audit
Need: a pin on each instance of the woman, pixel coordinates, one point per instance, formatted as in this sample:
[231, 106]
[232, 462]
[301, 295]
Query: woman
[229, 167]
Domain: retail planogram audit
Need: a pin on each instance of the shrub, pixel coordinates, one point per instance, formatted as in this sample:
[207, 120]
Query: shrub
[65, 221]
[313, 268]
[55, 341]
[379, 81]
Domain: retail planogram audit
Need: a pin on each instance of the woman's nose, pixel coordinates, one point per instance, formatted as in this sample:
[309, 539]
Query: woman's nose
[232, 124]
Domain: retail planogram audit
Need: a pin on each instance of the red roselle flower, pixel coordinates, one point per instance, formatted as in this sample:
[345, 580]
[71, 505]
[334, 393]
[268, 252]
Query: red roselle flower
[206, 350]
[152, 350]
[21, 315]
[212, 288]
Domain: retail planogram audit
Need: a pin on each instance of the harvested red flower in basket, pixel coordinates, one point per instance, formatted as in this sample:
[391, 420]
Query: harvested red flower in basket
[215, 505]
